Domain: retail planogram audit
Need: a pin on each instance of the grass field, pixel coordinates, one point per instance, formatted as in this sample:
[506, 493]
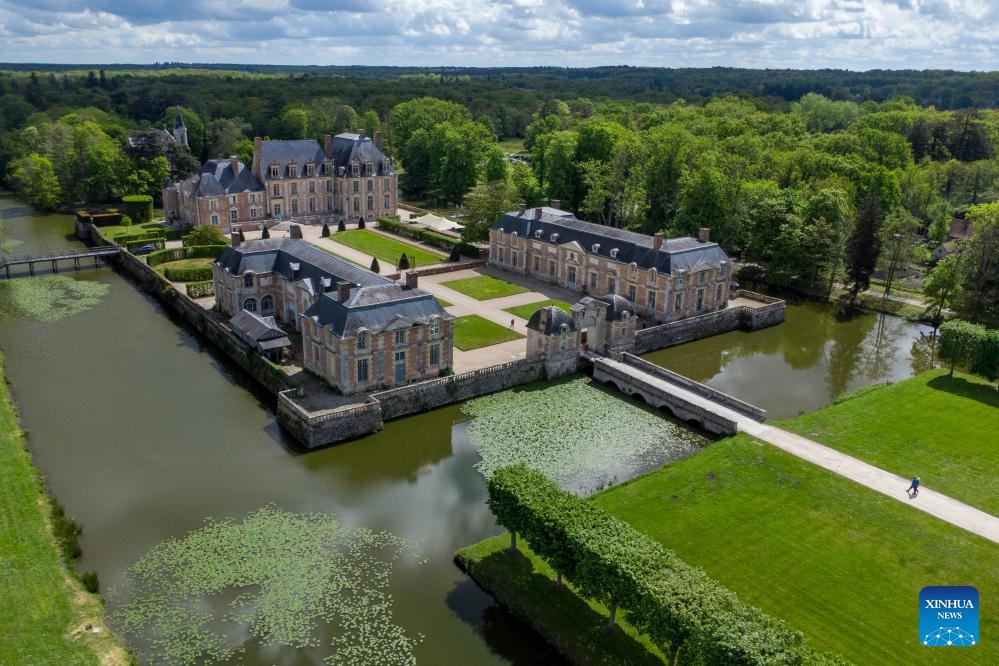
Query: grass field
[525, 311]
[386, 249]
[472, 332]
[942, 429]
[184, 264]
[43, 610]
[839, 562]
[484, 287]
[442, 302]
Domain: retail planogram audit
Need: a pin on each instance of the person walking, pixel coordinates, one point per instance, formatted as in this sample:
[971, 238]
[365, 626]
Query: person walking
[913, 488]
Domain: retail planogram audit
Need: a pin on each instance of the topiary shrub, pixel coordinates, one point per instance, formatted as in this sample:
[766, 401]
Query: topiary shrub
[375, 268]
[326, 231]
[342, 226]
[126, 221]
[403, 262]
[360, 223]
[266, 233]
[455, 255]
[139, 207]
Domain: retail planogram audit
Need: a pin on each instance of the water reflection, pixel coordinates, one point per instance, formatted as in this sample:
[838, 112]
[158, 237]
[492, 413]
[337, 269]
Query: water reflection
[819, 353]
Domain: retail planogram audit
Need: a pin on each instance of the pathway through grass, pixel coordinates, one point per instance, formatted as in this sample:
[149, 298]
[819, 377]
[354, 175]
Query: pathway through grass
[484, 287]
[386, 249]
[472, 332]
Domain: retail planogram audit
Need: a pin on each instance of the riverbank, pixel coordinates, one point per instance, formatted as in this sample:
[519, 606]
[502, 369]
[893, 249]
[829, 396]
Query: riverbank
[45, 612]
[836, 560]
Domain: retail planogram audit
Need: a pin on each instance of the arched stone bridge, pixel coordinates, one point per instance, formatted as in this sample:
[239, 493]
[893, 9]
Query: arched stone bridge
[687, 400]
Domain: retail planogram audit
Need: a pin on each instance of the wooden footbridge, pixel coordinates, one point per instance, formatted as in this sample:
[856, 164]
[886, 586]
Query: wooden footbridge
[76, 256]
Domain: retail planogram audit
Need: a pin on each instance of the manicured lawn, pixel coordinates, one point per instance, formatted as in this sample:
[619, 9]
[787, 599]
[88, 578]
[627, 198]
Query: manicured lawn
[42, 611]
[839, 562]
[386, 249]
[113, 232]
[942, 429]
[442, 302]
[484, 287]
[184, 264]
[525, 311]
[472, 332]
[526, 585]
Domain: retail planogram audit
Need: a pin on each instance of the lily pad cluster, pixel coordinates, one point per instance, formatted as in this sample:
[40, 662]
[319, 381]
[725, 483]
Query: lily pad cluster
[582, 437]
[276, 576]
[49, 298]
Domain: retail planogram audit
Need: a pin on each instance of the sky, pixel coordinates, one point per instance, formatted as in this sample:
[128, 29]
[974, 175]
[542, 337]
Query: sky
[800, 34]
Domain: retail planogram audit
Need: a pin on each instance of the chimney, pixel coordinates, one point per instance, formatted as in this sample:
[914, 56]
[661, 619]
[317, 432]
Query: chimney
[378, 140]
[521, 208]
[537, 213]
[412, 278]
[657, 240]
[704, 234]
[556, 204]
[328, 145]
[343, 290]
[234, 164]
[296, 231]
[234, 238]
[258, 150]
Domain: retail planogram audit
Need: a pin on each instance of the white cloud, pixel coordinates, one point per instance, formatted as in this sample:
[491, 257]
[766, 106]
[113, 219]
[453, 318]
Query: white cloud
[855, 34]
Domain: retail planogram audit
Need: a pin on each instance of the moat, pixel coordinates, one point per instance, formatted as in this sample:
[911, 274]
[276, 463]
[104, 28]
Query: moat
[143, 432]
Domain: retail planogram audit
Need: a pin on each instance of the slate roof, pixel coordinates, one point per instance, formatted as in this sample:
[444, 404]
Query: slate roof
[374, 308]
[276, 255]
[299, 151]
[675, 255]
[549, 319]
[348, 147]
[260, 331]
[217, 179]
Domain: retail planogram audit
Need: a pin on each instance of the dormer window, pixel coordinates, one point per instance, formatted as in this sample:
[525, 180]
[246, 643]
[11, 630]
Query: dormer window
[369, 169]
[293, 170]
[362, 339]
[248, 280]
[435, 326]
[355, 169]
[537, 234]
[595, 248]
[613, 253]
[653, 276]
[328, 167]
[310, 168]
[554, 238]
[632, 270]
[275, 170]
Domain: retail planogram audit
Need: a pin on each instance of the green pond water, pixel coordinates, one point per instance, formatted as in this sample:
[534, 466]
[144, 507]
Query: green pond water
[144, 433]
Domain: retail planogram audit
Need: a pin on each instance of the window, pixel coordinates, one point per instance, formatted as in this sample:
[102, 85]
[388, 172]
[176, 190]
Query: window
[435, 326]
[700, 299]
[294, 188]
[310, 169]
[213, 204]
[362, 340]
[233, 214]
[329, 203]
[355, 169]
[312, 205]
[294, 206]
[267, 303]
[275, 171]
[232, 199]
[277, 210]
[677, 302]
[215, 219]
[593, 279]
[400, 366]
[293, 170]
[572, 275]
[371, 186]
[435, 354]
[653, 277]
[357, 204]
[611, 285]
[513, 258]
[400, 337]
[357, 185]
[595, 248]
[369, 169]
[613, 253]
[386, 201]
[700, 277]
[312, 186]
[250, 305]
[248, 280]
[386, 184]
[502, 255]
[631, 293]
[371, 203]
[632, 270]
[276, 190]
[253, 213]
[551, 267]
[362, 370]
[537, 264]
[718, 293]
[650, 302]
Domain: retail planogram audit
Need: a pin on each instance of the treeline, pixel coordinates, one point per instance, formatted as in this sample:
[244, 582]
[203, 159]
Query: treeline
[690, 617]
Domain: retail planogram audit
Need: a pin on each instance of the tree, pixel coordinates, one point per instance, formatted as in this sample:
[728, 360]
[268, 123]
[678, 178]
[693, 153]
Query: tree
[265, 233]
[424, 113]
[528, 188]
[370, 121]
[206, 234]
[484, 204]
[495, 165]
[980, 266]
[943, 286]
[341, 226]
[326, 231]
[225, 136]
[35, 180]
[958, 342]
[863, 247]
[375, 268]
[455, 255]
[561, 174]
[403, 262]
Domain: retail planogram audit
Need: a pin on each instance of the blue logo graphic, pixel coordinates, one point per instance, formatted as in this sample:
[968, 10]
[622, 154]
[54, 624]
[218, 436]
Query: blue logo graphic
[948, 616]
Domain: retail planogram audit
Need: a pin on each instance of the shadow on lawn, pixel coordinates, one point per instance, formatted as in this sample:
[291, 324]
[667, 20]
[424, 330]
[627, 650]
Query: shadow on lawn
[984, 393]
[560, 615]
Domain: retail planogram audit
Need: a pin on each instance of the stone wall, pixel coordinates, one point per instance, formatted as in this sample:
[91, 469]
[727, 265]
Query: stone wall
[315, 429]
[724, 399]
[770, 312]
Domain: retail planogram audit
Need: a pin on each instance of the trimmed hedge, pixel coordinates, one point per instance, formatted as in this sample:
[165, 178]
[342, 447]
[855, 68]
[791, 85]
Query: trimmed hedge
[200, 289]
[139, 207]
[678, 606]
[200, 274]
[189, 252]
[392, 224]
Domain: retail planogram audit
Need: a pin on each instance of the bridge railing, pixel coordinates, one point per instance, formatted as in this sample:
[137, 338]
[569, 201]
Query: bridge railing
[65, 254]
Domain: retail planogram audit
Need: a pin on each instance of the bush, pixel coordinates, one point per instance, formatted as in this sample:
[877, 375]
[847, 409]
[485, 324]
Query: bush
[326, 231]
[200, 289]
[66, 531]
[266, 233]
[139, 207]
[205, 234]
[126, 221]
[342, 226]
[201, 274]
[455, 255]
[375, 267]
[403, 262]
[360, 223]
[90, 582]
[188, 252]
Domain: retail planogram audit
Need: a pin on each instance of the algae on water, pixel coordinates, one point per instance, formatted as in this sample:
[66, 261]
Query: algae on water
[275, 576]
[580, 436]
[48, 298]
